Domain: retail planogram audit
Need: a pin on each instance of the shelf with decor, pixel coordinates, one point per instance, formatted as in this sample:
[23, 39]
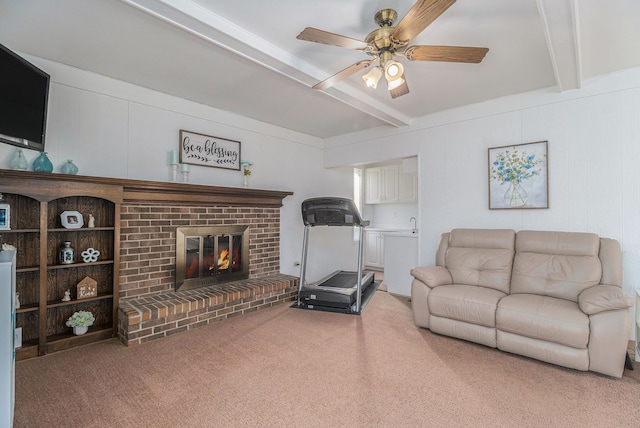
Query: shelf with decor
[87, 264]
[27, 308]
[55, 303]
[46, 211]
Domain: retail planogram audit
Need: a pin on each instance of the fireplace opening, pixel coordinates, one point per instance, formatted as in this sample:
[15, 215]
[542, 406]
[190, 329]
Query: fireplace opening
[211, 255]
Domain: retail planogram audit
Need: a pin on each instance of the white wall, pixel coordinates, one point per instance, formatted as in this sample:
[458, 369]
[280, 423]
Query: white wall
[113, 129]
[391, 215]
[594, 150]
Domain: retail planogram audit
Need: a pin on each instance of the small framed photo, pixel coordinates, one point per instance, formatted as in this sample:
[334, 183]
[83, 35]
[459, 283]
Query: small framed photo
[5, 217]
[72, 219]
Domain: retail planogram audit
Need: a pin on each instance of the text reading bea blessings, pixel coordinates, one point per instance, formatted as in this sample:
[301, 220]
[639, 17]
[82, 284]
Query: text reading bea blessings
[220, 154]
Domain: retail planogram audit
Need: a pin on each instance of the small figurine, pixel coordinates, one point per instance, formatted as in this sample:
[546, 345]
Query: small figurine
[17, 301]
[92, 221]
[67, 296]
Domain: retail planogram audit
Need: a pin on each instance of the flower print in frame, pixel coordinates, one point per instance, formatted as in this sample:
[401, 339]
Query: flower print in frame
[518, 176]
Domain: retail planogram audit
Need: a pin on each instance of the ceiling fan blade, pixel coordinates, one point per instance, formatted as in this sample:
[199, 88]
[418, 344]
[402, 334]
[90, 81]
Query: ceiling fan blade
[318, 36]
[401, 90]
[360, 65]
[421, 14]
[445, 53]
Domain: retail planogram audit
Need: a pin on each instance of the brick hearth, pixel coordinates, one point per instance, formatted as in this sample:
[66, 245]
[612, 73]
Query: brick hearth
[156, 316]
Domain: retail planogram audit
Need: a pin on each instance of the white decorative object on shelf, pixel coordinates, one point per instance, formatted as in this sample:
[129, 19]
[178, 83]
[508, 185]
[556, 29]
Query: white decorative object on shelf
[184, 168]
[174, 162]
[92, 221]
[71, 219]
[67, 296]
[67, 253]
[246, 171]
[17, 301]
[90, 255]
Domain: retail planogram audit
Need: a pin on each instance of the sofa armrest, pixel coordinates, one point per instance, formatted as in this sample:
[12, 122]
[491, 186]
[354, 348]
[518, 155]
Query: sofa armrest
[601, 298]
[432, 276]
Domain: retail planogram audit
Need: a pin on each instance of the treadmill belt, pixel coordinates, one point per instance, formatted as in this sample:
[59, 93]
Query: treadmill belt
[343, 280]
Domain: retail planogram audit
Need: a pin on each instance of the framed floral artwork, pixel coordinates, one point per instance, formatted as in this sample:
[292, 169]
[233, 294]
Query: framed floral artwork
[518, 176]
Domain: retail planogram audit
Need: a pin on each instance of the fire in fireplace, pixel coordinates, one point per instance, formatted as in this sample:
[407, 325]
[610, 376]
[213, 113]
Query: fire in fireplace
[209, 255]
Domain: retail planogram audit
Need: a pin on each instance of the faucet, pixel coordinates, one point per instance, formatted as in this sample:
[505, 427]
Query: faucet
[413, 219]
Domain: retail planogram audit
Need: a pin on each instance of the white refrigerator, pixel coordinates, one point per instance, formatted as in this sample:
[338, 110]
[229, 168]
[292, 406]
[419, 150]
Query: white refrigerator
[7, 327]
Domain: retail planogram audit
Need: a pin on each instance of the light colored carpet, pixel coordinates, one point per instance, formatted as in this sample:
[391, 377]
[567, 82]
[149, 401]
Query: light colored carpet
[286, 367]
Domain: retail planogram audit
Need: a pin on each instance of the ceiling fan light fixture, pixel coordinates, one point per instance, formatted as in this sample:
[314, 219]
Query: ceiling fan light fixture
[373, 77]
[393, 70]
[393, 84]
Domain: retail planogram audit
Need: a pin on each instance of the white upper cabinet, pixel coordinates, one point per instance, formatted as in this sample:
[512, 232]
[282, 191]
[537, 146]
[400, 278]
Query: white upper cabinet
[408, 187]
[389, 184]
[381, 185]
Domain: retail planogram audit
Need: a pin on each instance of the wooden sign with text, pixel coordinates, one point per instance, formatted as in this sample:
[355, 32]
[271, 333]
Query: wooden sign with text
[200, 149]
[88, 287]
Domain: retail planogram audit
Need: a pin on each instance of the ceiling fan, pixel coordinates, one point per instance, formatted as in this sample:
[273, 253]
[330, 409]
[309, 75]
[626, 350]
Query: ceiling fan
[383, 44]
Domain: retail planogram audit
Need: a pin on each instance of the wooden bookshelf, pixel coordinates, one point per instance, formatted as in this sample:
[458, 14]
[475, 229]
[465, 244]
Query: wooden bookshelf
[36, 201]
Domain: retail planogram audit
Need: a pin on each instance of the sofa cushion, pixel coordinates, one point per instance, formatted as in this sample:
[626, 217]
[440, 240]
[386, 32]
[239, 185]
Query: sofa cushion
[481, 257]
[555, 264]
[544, 318]
[468, 303]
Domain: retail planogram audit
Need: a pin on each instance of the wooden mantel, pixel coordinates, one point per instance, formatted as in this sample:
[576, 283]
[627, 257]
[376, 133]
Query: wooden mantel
[140, 191]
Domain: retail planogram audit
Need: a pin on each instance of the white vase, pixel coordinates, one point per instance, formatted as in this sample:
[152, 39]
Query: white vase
[246, 181]
[515, 196]
[80, 330]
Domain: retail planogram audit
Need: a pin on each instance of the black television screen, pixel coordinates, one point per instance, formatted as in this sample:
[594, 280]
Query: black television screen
[24, 91]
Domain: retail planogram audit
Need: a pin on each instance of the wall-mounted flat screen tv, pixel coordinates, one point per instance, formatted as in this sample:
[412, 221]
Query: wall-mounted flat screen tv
[24, 92]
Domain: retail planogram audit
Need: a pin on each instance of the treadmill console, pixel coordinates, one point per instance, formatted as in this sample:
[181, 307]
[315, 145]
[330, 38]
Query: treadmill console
[331, 212]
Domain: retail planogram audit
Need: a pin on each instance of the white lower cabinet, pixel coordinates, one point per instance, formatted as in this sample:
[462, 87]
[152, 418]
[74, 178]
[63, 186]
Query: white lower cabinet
[401, 255]
[374, 249]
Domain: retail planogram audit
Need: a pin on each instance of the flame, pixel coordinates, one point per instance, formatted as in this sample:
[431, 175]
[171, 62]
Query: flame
[223, 260]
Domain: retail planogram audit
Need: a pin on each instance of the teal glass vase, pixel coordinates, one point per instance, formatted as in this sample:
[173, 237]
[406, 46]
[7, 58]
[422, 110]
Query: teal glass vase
[19, 161]
[42, 163]
[69, 168]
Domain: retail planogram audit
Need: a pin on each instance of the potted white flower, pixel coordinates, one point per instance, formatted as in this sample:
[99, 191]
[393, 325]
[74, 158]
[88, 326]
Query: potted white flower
[80, 321]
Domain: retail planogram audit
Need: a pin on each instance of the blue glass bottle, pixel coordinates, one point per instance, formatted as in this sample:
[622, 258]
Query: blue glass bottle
[19, 161]
[42, 163]
[69, 168]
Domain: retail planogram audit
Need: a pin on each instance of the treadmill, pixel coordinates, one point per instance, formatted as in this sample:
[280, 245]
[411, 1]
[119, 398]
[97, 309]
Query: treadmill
[341, 291]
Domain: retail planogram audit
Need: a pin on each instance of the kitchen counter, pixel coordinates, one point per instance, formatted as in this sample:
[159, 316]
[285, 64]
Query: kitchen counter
[409, 233]
[389, 229]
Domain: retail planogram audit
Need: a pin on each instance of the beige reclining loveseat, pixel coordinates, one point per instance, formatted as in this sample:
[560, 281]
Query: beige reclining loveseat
[552, 296]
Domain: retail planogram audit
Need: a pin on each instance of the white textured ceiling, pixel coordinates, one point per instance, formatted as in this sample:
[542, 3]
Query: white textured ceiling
[243, 56]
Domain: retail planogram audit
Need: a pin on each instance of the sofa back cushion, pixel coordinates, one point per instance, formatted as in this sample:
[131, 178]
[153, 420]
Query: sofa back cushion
[441, 252]
[481, 257]
[611, 258]
[556, 264]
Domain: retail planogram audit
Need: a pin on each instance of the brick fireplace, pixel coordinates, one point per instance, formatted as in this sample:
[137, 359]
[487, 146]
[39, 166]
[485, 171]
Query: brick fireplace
[208, 255]
[148, 242]
[150, 306]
